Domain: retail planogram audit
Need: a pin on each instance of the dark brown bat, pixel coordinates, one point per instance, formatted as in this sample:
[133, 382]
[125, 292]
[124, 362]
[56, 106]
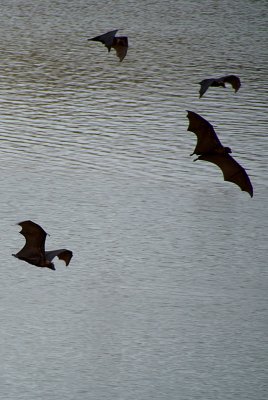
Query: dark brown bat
[209, 148]
[34, 252]
[217, 82]
[119, 43]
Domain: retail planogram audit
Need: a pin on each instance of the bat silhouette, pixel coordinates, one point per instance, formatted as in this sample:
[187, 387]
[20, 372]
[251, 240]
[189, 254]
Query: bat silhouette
[217, 82]
[209, 148]
[34, 252]
[119, 43]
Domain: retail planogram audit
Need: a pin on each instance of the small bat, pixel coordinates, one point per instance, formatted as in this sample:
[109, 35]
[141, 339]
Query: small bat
[209, 148]
[217, 82]
[119, 43]
[34, 252]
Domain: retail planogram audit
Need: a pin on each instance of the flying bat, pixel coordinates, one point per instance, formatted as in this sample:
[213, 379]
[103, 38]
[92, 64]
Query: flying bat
[217, 82]
[209, 148]
[34, 252]
[119, 43]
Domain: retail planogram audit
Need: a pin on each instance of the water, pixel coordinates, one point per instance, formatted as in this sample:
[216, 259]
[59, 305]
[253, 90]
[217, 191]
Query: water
[166, 295]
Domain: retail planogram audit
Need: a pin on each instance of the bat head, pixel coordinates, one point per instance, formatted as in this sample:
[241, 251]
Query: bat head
[227, 150]
[47, 264]
[121, 40]
[222, 150]
[50, 265]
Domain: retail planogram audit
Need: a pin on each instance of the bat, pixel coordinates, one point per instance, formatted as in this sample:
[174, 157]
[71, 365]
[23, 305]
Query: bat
[209, 148]
[34, 252]
[119, 43]
[219, 82]
[207, 139]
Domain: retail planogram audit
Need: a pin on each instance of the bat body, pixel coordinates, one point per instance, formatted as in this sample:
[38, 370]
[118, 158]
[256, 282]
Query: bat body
[209, 148]
[119, 43]
[219, 82]
[34, 252]
[207, 139]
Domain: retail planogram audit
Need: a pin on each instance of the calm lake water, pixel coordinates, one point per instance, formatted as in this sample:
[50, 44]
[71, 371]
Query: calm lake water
[166, 295]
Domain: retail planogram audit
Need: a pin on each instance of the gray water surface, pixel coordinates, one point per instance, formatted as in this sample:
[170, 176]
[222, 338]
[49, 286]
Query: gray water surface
[166, 295]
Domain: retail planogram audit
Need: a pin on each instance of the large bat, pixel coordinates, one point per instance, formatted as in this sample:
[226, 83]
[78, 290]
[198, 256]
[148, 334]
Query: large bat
[34, 252]
[209, 148]
[217, 82]
[119, 43]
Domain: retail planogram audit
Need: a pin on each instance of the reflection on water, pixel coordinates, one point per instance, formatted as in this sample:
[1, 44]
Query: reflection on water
[166, 293]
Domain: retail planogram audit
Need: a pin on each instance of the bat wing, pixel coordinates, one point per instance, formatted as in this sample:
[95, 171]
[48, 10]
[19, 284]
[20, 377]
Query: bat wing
[205, 84]
[207, 140]
[106, 39]
[232, 171]
[62, 254]
[35, 237]
[233, 80]
[120, 44]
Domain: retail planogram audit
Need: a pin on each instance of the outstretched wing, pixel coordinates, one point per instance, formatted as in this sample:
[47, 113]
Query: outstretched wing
[205, 84]
[207, 140]
[35, 240]
[233, 80]
[120, 44]
[232, 171]
[62, 254]
[106, 39]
